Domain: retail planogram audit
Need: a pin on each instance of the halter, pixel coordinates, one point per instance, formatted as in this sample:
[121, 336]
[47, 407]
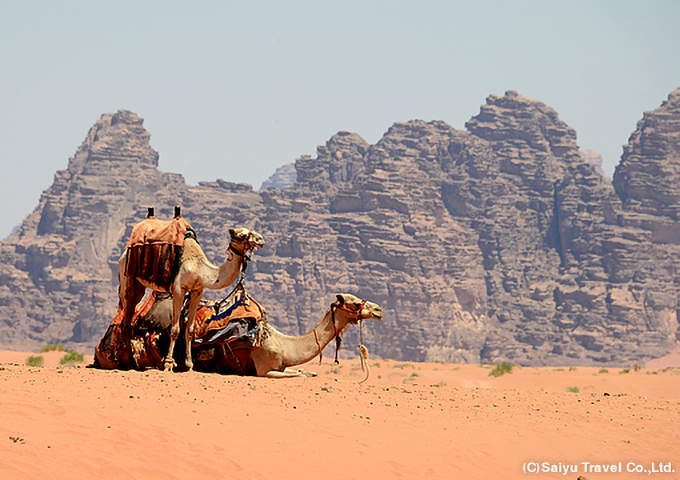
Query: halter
[246, 258]
[336, 334]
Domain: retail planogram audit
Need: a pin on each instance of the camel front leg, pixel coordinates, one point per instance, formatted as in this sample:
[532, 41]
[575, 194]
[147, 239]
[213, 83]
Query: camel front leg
[194, 300]
[176, 326]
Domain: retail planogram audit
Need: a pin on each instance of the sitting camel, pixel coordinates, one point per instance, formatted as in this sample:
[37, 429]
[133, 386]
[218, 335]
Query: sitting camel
[195, 274]
[278, 352]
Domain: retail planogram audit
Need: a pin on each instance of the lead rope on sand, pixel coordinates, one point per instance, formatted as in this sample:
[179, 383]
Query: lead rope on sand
[363, 356]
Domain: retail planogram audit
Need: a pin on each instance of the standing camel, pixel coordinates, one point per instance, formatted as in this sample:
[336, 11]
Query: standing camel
[195, 274]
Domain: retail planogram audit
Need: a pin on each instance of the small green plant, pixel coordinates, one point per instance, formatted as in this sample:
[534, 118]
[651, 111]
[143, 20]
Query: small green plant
[571, 369]
[625, 370]
[558, 370]
[500, 369]
[636, 367]
[71, 357]
[35, 361]
[52, 347]
[603, 370]
[573, 389]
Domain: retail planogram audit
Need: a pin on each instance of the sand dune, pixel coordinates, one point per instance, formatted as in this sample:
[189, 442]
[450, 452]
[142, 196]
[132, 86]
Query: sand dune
[409, 420]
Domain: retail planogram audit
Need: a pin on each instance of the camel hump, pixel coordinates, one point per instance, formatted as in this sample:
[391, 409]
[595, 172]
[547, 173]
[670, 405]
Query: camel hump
[154, 231]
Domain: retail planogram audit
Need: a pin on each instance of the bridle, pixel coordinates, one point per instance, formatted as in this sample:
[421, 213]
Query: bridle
[244, 264]
[338, 339]
[244, 255]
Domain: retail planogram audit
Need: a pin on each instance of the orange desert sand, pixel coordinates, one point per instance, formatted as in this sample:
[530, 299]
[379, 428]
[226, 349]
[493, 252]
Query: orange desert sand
[409, 420]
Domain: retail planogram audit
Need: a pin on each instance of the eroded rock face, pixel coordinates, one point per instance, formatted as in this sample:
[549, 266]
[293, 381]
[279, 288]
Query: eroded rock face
[284, 176]
[59, 270]
[501, 242]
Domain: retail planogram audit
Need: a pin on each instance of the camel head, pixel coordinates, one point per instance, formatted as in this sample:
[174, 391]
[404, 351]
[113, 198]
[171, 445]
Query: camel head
[357, 308]
[243, 240]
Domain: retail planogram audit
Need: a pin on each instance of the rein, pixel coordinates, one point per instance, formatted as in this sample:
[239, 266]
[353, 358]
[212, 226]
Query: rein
[363, 351]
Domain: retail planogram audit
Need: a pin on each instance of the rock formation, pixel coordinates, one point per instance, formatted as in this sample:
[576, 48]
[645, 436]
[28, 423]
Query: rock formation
[283, 177]
[500, 242]
[595, 159]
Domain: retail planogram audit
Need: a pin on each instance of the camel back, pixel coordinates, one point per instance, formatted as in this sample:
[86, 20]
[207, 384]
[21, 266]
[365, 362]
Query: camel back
[154, 251]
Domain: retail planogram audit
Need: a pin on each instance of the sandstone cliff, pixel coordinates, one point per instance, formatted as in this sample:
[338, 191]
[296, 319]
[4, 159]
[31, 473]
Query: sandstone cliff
[500, 242]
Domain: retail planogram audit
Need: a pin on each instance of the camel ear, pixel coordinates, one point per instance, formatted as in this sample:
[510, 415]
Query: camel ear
[341, 299]
[232, 232]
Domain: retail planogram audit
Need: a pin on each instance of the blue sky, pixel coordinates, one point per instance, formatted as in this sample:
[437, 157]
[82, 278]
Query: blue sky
[234, 90]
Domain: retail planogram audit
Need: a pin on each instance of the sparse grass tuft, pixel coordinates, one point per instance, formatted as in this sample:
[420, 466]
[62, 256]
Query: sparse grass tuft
[52, 347]
[603, 370]
[636, 367]
[573, 389]
[35, 361]
[625, 370]
[71, 358]
[500, 369]
[571, 369]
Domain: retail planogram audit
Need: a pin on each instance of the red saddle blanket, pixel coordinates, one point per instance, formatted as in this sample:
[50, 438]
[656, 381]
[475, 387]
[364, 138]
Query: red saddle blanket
[154, 251]
[153, 231]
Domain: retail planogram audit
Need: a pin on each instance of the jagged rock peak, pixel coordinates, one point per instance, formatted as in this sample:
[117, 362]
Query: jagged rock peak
[284, 176]
[340, 160]
[515, 117]
[673, 101]
[646, 179]
[342, 144]
[116, 137]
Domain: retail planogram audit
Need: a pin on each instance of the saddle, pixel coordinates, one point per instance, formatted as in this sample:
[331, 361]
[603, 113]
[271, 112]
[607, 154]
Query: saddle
[226, 331]
[154, 251]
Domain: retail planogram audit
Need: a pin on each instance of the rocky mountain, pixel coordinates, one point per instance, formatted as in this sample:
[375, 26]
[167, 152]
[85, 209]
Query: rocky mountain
[499, 242]
[283, 177]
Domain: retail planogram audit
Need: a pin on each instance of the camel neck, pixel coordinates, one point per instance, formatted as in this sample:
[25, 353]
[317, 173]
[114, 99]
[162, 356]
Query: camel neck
[302, 349]
[212, 276]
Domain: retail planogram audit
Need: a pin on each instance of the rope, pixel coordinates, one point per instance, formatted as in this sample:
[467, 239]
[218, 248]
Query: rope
[318, 344]
[363, 356]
